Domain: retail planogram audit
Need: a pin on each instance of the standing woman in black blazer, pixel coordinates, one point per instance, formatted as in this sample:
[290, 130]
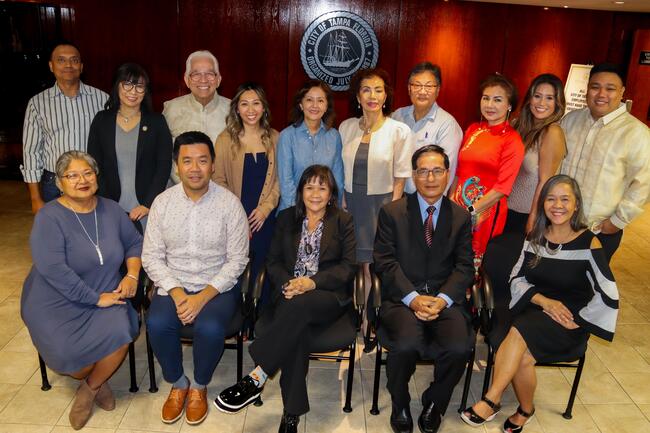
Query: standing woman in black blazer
[311, 264]
[131, 144]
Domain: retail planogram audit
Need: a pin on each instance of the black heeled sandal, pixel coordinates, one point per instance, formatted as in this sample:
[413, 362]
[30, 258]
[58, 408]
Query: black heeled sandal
[476, 420]
[510, 427]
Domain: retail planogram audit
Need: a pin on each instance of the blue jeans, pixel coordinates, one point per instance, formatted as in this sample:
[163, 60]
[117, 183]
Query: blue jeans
[49, 190]
[210, 327]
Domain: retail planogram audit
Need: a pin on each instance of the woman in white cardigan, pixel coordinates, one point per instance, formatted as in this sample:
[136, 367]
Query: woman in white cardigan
[376, 156]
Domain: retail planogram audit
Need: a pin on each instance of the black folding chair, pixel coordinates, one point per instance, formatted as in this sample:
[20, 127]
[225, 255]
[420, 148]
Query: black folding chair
[235, 328]
[340, 336]
[375, 298]
[487, 325]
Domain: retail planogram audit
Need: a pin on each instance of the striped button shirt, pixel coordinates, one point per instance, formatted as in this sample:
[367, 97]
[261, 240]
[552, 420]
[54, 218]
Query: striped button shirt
[54, 124]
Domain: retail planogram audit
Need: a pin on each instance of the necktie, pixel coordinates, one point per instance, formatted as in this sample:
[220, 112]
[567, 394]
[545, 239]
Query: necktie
[428, 226]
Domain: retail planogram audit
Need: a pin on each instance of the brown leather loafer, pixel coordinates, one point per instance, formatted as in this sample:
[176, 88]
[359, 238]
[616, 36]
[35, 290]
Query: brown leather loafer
[173, 408]
[197, 406]
[82, 406]
[104, 397]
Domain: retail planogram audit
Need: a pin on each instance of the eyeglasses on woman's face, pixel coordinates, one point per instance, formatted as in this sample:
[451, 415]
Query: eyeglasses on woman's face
[127, 86]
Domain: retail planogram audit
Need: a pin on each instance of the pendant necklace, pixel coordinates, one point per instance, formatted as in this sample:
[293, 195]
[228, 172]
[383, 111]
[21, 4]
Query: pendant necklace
[95, 244]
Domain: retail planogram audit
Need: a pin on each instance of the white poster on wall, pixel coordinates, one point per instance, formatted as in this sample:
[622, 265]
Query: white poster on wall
[575, 89]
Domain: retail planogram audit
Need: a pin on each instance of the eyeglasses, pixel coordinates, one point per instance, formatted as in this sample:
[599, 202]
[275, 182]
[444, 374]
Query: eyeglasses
[195, 77]
[423, 173]
[428, 88]
[76, 177]
[64, 60]
[127, 86]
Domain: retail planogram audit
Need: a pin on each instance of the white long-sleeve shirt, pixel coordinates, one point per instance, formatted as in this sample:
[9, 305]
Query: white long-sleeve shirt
[192, 244]
[610, 159]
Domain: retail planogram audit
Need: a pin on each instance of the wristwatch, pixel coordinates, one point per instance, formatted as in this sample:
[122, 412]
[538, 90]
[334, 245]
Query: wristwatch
[471, 210]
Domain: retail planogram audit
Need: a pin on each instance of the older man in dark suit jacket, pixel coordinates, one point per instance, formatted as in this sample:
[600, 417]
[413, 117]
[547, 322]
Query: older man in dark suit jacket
[423, 257]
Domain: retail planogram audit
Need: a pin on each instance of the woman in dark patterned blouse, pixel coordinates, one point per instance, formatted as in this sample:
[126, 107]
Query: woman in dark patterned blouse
[311, 264]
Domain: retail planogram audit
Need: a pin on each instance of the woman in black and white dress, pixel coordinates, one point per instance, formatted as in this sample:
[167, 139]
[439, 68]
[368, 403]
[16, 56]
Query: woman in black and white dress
[562, 292]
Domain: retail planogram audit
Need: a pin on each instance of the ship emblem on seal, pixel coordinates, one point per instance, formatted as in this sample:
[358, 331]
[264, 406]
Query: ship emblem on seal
[336, 45]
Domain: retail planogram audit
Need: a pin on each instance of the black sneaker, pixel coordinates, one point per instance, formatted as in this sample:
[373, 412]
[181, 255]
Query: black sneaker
[238, 396]
[289, 423]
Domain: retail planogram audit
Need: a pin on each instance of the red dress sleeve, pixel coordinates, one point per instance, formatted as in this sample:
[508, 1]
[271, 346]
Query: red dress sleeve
[512, 155]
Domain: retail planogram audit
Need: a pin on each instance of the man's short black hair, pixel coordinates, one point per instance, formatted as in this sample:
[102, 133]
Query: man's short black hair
[429, 148]
[426, 67]
[53, 46]
[192, 137]
[607, 67]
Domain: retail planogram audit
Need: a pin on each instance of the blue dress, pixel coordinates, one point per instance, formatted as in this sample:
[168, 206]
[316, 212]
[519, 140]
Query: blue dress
[58, 302]
[254, 176]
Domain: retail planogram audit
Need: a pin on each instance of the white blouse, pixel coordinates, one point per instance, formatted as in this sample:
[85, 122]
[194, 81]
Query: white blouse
[389, 153]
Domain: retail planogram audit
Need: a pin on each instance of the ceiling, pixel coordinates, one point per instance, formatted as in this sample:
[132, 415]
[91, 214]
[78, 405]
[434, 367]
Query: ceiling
[609, 5]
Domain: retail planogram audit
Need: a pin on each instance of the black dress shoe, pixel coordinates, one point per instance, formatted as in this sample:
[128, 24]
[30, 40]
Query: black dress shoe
[238, 396]
[289, 423]
[401, 420]
[430, 419]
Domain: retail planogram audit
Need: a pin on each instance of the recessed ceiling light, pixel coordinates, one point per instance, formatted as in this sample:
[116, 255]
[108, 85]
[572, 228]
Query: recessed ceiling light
[545, 9]
[618, 2]
[565, 7]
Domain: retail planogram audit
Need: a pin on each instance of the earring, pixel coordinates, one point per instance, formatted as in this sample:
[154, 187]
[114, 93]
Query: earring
[359, 106]
[384, 106]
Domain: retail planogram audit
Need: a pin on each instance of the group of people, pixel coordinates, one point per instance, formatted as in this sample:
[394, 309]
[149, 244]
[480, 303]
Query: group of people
[190, 194]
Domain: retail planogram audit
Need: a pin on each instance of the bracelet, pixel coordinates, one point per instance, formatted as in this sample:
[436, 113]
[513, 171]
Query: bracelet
[133, 277]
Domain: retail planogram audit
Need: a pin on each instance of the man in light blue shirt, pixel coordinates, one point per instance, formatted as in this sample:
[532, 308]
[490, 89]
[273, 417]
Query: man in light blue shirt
[430, 123]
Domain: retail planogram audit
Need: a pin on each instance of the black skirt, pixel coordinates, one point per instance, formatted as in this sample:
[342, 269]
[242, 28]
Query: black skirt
[547, 340]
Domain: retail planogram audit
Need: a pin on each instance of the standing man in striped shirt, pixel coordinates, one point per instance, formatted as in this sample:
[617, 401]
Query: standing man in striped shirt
[56, 121]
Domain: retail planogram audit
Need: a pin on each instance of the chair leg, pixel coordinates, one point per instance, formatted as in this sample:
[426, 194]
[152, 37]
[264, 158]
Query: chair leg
[152, 367]
[468, 379]
[574, 389]
[45, 383]
[134, 384]
[348, 393]
[488, 371]
[240, 355]
[374, 410]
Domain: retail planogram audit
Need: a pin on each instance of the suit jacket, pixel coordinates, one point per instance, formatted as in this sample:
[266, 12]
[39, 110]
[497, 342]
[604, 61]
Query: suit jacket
[229, 171]
[153, 161]
[337, 261]
[404, 262]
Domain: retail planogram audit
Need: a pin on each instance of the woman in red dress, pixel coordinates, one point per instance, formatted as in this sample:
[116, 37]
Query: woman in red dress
[488, 163]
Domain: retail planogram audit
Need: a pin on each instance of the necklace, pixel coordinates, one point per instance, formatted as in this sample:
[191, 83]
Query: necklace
[368, 130]
[127, 118]
[96, 243]
[552, 251]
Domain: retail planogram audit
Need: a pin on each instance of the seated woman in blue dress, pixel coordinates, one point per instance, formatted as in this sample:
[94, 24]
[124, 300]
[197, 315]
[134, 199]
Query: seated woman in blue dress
[73, 300]
[562, 291]
[311, 264]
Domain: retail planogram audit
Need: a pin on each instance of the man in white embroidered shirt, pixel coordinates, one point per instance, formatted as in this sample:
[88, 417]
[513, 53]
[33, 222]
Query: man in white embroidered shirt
[203, 109]
[609, 156]
[195, 248]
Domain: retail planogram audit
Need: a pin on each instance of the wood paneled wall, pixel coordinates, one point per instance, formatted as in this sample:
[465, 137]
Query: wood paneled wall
[259, 40]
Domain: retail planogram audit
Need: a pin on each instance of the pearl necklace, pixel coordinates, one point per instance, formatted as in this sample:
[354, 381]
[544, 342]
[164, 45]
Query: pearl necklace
[126, 119]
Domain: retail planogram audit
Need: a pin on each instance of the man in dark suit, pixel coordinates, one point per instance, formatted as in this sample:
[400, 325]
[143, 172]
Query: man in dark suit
[423, 257]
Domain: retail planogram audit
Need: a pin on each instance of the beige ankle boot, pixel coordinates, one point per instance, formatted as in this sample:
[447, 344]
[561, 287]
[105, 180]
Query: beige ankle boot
[82, 406]
[104, 398]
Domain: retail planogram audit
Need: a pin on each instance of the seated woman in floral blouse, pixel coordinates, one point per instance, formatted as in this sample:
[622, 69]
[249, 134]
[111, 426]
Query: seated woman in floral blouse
[311, 264]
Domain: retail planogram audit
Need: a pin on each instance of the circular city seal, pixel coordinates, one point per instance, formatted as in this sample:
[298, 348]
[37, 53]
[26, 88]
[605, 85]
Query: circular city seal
[336, 45]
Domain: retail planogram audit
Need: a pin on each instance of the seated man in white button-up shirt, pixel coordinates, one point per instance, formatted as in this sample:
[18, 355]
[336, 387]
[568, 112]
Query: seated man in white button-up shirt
[195, 248]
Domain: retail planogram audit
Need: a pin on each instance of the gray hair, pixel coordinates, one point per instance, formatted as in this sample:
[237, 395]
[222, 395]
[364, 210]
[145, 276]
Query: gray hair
[65, 159]
[201, 54]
